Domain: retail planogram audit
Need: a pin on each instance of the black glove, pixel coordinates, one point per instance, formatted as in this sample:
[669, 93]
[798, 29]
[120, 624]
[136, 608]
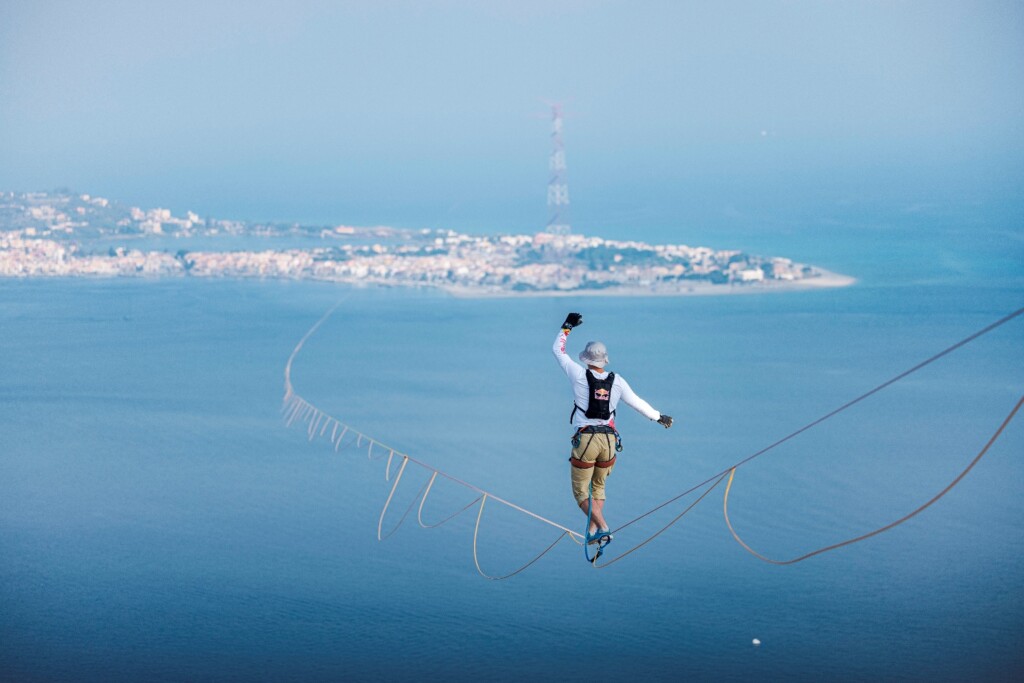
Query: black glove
[665, 421]
[572, 320]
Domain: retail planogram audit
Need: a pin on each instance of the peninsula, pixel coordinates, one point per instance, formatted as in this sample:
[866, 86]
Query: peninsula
[63, 234]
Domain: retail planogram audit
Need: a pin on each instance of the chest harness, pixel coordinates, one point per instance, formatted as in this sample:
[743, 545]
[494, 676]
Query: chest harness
[600, 392]
[598, 408]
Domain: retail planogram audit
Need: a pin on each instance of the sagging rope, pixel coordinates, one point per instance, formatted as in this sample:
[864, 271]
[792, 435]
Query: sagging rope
[318, 422]
[890, 525]
[663, 529]
[717, 478]
[297, 408]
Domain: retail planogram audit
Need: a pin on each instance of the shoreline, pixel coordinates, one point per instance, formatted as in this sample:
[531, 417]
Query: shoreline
[65, 235]
[826, 280]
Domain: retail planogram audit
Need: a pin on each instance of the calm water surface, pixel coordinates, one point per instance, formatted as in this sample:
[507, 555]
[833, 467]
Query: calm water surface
[158, 521]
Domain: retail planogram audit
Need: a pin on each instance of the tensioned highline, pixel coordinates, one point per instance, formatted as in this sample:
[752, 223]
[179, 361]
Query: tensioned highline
[319, 424]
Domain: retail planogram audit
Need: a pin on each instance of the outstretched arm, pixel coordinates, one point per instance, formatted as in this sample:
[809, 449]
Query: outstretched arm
[642, 406]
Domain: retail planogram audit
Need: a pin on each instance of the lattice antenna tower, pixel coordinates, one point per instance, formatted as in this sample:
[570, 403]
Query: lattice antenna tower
[558, 189]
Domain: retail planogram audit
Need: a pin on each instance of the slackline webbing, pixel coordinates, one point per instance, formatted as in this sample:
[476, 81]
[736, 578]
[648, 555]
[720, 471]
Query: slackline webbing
[297, 409]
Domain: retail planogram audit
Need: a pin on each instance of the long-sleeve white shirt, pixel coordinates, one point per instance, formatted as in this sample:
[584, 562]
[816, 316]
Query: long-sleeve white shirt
[581, 390]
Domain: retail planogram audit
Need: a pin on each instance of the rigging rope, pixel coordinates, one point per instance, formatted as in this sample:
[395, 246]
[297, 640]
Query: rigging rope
[849, 404]
[295, 408]
[890, 525]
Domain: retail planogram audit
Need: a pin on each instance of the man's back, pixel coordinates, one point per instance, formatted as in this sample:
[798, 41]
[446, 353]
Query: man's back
[577, 374]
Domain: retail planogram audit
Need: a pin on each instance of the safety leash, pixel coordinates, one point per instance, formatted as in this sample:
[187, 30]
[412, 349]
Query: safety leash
[603, 541]
[586, 530]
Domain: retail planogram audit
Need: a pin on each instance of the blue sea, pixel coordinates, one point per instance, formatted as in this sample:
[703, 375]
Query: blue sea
[159, 521]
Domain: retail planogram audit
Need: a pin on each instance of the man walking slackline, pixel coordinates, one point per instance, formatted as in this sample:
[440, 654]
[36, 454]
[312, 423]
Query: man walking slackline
[596, 393]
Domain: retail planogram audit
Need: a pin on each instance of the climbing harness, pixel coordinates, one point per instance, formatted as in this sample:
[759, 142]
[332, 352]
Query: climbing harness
[318, 424]
[591, 430]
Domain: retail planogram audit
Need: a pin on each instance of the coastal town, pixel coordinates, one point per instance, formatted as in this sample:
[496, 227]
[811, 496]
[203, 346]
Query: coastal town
[64, 234]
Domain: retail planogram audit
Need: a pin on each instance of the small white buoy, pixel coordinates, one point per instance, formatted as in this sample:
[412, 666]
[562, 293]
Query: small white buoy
[756, 642]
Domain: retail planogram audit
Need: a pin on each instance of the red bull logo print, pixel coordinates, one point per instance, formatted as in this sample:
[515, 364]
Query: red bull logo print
[602, 394]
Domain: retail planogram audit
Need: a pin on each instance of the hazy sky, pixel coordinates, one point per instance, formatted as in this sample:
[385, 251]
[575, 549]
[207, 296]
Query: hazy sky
[432, 113]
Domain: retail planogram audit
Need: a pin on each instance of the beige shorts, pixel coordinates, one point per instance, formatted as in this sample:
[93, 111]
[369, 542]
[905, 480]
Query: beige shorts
[591, 463]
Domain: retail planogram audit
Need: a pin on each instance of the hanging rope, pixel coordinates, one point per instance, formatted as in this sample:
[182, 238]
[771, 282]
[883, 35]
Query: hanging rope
[297, 409]
[663, 529]
[890, 525]
[814, 423]
[476, 559]
[423, 501]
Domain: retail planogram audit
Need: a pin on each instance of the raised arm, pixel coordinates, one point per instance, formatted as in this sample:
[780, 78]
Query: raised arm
[568, 365]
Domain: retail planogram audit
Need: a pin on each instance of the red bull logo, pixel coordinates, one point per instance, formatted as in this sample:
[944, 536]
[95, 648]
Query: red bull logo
[602, 394]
